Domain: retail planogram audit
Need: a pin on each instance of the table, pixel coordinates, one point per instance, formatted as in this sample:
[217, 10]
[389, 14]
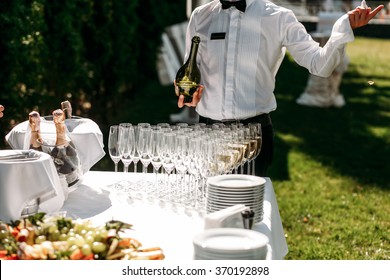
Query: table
[154, 226]
[23, 181]
[85, 134]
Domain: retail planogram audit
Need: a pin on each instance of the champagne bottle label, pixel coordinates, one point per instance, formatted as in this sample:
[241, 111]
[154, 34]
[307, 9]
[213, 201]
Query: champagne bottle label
[187, 85]
[66, 162]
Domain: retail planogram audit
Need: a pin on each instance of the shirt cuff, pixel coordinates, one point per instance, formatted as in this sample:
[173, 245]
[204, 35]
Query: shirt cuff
[342, 32]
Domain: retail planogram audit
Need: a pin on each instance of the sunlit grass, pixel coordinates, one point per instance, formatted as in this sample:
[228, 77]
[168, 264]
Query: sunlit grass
[331, 173]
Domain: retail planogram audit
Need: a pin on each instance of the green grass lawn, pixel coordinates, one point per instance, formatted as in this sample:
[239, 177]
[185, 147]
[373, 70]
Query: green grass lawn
[331, 172]
[331, 167]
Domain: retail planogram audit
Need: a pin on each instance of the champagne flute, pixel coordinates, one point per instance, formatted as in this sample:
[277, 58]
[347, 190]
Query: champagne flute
[156, 147]
[245, 142]
[240, 144]
[126, 139]
[194, 167]
[126, 146]
[136, 156]
[144, 147]
[233, 143]
[257, 136]
[181, 165]
[113, 145]
[144, 150]
[251, 143]
[168, 155]
[207, 169]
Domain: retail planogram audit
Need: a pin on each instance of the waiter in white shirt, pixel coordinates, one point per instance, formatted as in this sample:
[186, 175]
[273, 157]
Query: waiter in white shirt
[242, 46]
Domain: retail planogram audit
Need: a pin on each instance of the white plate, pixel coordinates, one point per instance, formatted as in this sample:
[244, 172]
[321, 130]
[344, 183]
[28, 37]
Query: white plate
[229, 240]
[211, 200]
[258, 254]
[213, 208]
[236, 181]
[231, 203]
[221, 207]
[259, 195]
[243, 190]
[229, 192]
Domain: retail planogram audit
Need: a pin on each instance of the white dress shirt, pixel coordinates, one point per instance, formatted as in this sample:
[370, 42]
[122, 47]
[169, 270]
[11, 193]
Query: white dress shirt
[238, 71]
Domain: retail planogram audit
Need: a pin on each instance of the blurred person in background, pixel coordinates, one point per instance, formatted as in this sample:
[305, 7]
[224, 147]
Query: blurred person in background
[242, 46]
[1, 111]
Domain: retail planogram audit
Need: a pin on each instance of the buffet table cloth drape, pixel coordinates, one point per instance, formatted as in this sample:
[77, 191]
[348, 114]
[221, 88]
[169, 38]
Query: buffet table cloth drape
[96, 200]
[22, 181]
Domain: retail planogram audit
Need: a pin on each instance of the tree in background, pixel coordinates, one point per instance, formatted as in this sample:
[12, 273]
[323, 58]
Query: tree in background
[97, 54]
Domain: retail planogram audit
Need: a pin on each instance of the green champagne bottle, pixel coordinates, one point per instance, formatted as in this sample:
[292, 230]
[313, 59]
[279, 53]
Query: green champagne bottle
[188, 76]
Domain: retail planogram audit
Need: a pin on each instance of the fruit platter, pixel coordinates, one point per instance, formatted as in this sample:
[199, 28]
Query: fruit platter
[43, 237]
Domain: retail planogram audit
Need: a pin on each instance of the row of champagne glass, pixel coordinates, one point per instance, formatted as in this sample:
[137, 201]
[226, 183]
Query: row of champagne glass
[191, 152]
[144, 137]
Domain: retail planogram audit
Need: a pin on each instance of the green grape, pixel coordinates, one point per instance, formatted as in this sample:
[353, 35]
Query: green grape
[73, 248]
[97, 236]
[103, 233]
[86, 249]
[38, 230]
[39, 239]
[64, 230]
[98, 247]
[79, 226]
[3, 234]
[51, 228]
[79, 240]
[55, 235]
[89, 239]
[63, 237]
[71, 240]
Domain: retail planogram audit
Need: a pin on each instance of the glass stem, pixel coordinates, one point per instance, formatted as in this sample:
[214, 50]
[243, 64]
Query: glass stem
[135, 167]
[248, 171]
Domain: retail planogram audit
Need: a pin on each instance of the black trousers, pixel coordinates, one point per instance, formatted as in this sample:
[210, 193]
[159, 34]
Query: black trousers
[264, 159]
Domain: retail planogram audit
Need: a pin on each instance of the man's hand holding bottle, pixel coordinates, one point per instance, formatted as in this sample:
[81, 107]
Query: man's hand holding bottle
[195, 97]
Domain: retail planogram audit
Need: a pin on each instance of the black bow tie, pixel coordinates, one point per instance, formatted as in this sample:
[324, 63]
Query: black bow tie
[240, 5]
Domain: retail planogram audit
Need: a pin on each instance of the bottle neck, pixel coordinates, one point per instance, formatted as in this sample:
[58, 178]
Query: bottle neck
[35, 139]
[192, 57]
[61, 134]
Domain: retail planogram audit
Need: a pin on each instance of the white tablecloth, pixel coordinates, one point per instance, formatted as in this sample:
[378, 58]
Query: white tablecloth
[84, 133]
[154, 226]
[24, 181]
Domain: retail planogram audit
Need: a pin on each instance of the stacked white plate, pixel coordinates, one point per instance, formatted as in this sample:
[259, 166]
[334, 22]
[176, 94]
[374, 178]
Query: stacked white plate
[227, 190]
[230, 244]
